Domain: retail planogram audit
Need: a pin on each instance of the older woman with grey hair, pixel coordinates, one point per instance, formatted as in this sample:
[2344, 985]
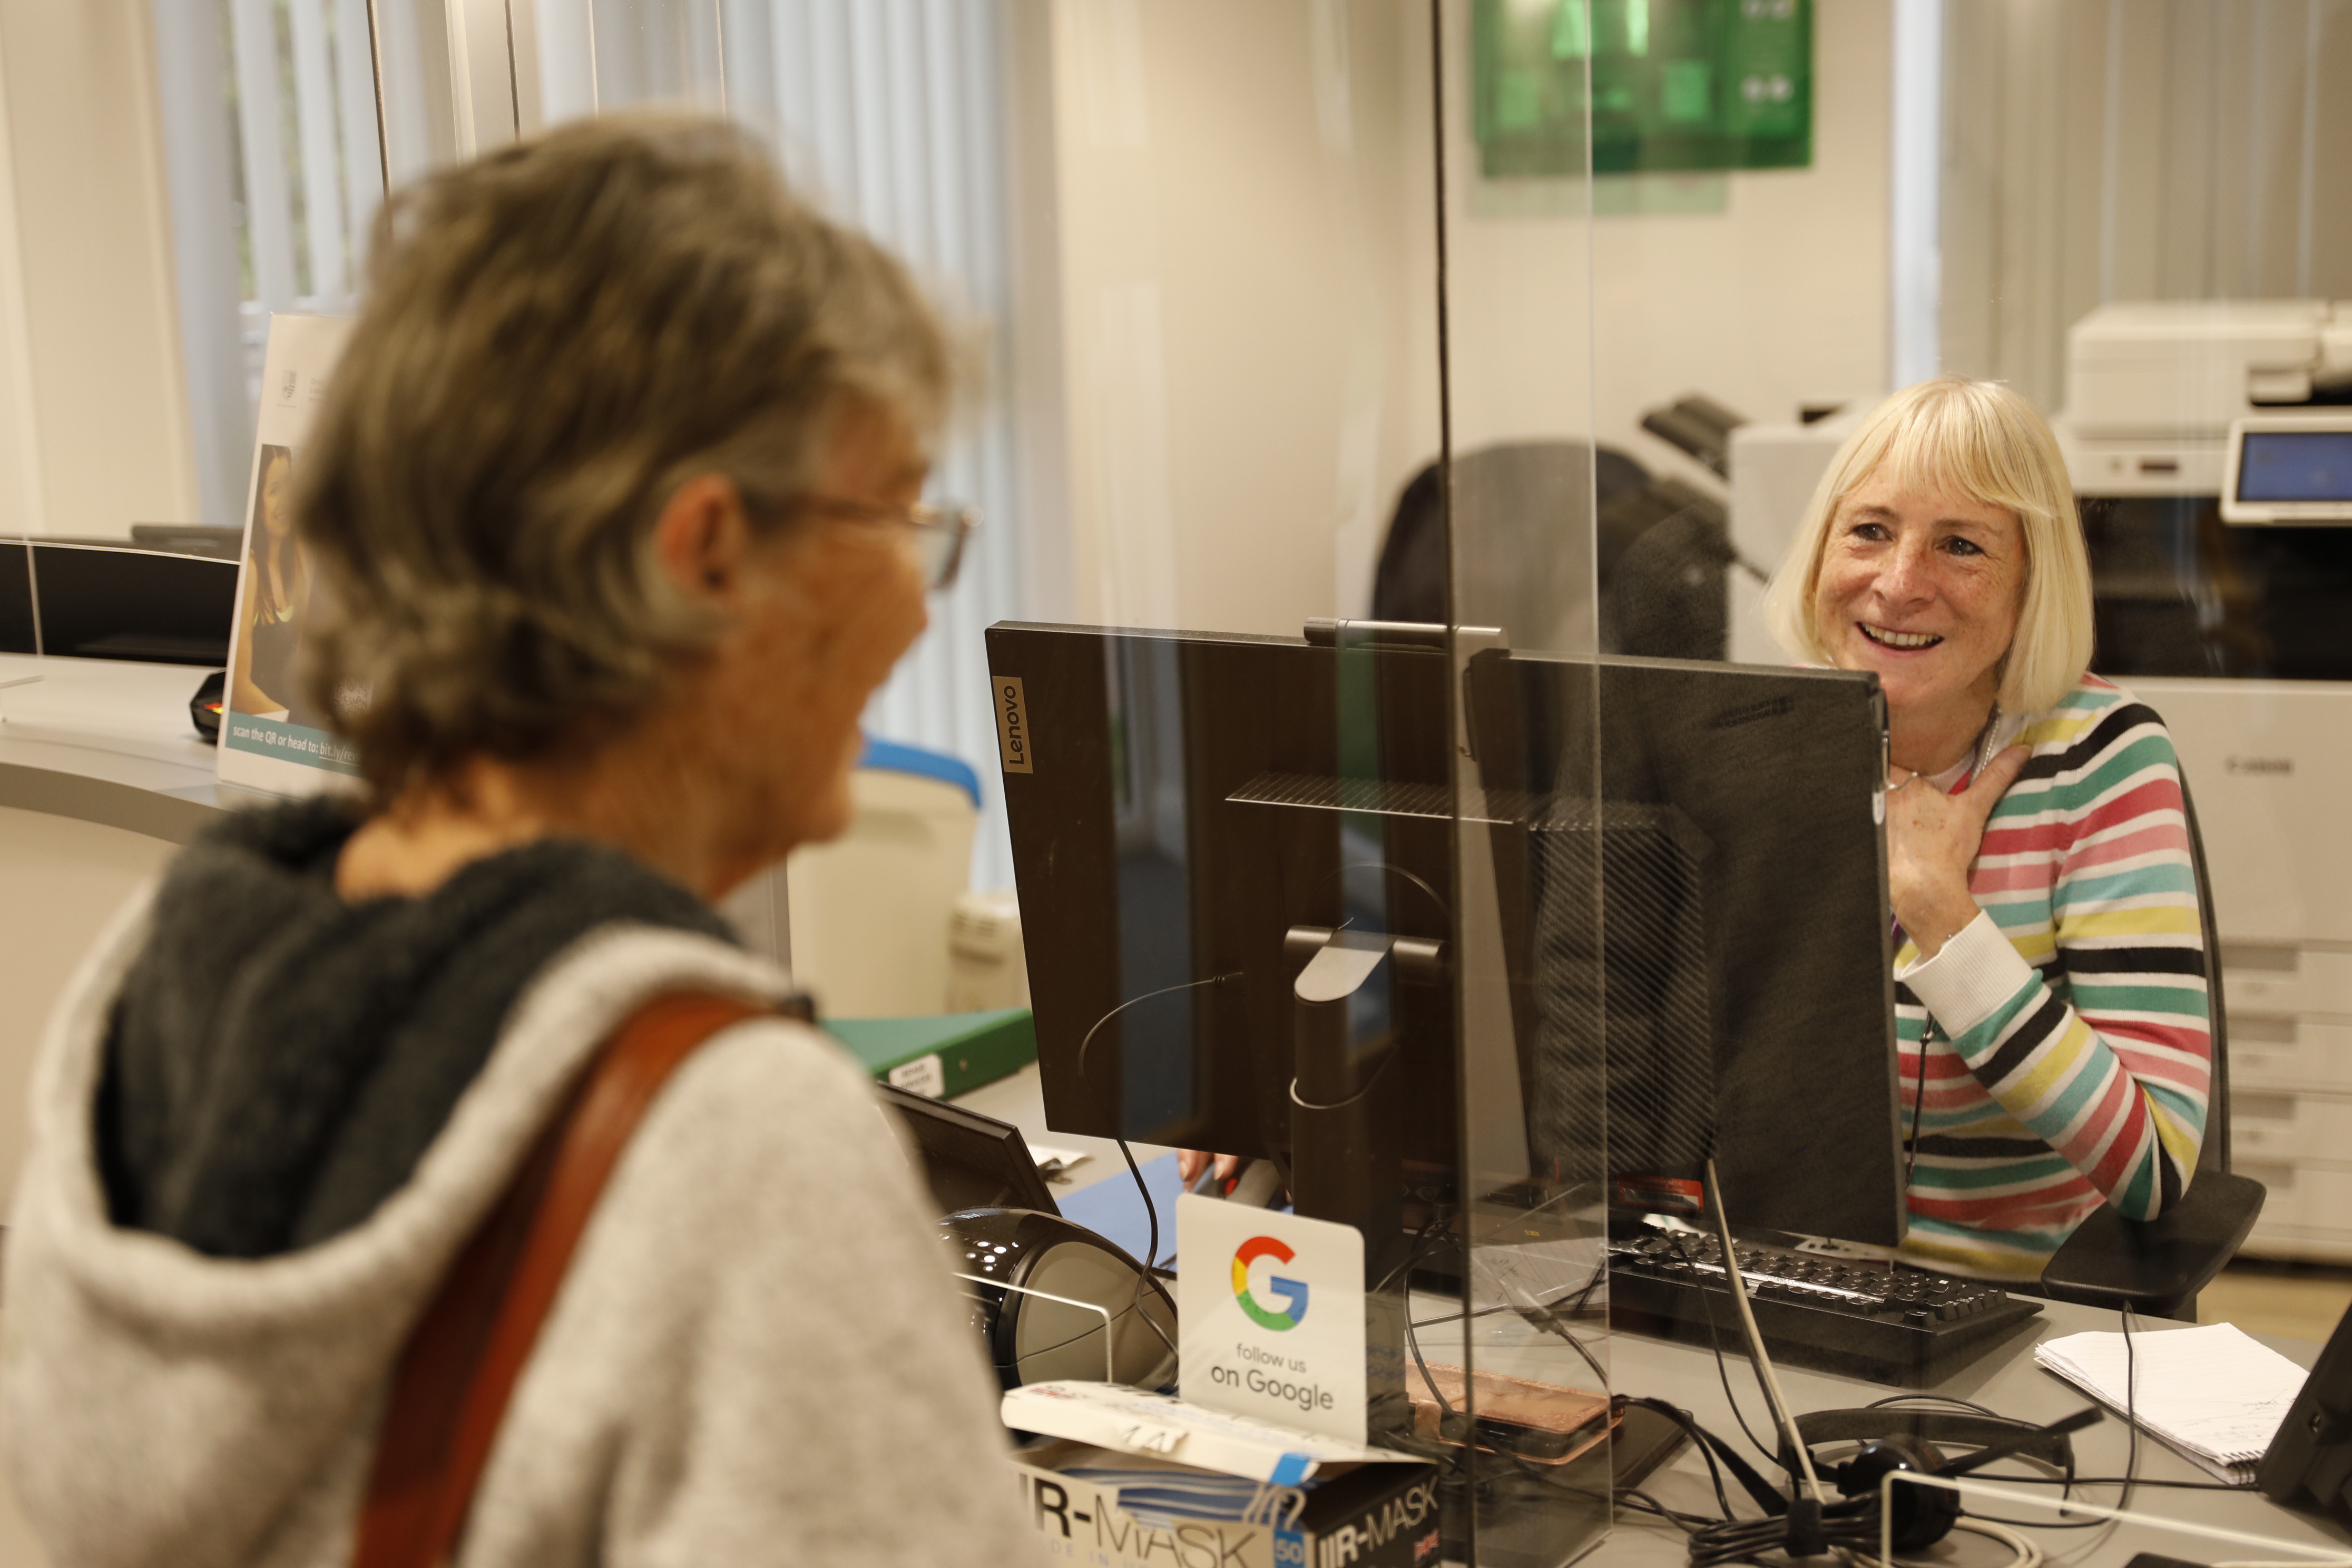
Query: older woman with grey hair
[613, 505]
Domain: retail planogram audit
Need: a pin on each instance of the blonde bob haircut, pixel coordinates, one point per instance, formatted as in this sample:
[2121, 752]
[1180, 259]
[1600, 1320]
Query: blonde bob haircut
[1984, 441]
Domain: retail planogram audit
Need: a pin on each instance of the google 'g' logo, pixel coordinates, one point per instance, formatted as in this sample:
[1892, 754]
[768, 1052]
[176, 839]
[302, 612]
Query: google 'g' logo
[1292, 1293]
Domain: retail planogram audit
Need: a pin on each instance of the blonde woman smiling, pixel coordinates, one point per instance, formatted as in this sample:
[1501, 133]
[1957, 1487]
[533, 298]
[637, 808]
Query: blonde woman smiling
[2050, 973]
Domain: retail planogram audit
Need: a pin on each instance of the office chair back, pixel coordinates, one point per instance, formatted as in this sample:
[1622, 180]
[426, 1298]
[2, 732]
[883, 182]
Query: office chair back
[2213, 1154]
[1529, 507]
[2158, 1265]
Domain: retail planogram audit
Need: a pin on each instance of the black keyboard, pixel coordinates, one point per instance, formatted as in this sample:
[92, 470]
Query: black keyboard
[1857, 1316]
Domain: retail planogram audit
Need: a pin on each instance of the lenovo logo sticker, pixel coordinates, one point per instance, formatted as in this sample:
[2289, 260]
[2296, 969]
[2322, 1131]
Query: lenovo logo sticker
[1013, 739]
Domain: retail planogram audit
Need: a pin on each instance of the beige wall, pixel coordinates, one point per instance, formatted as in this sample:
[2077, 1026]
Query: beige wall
[1783, 295]
[60, 880]
[1229, 337]
[2165, 149]
[93, 418]
[1227, 252]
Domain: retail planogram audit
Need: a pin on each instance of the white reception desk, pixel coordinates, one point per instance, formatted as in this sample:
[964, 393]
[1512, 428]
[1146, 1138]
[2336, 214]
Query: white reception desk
[102, 779]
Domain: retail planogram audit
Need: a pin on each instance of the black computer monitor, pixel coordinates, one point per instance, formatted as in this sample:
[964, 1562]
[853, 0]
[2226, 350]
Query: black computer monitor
[970, 1161]
[102, 601]
[1189, 801]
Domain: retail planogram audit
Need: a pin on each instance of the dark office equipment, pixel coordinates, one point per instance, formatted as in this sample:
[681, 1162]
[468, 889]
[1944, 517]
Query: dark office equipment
[1531, 505]
[1644, 1441]
[2177, 591]
[204, 706]
[2310, 1460]
[1629, 514]
[2158, 1265]
[1034, 1338]
[1665, 559]
[1188, 810]
[1698, 427]
[970, 1161]
[1662, 549]
[1870, 1319]
[102, 601]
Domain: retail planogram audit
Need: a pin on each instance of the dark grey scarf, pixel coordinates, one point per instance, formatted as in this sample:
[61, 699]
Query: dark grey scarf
[279, 1060]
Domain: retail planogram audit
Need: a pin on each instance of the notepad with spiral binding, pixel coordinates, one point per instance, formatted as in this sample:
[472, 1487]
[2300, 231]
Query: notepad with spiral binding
[2213, 1393]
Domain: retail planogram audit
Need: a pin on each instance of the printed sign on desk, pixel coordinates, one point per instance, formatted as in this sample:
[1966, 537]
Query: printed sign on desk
[270, 738]
[1272, 1308]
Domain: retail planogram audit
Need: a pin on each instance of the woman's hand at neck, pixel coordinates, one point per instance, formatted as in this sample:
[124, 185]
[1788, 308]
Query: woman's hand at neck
[1932, 840]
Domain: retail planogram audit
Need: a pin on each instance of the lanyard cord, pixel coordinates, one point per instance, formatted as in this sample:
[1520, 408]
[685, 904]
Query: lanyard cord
[1976, 764]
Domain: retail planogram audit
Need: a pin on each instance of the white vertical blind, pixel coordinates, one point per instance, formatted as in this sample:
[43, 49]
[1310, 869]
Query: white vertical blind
[269, 208]
[296, 108]
[355, 97]
[890, 113]
[2106, 149]
[305, 107]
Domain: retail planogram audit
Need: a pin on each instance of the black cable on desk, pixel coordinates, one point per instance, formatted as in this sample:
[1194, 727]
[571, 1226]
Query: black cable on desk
[1423, 1245]
[1714, 1343]
[2131, 1457]
[1151, 1214]
[1643, 1502]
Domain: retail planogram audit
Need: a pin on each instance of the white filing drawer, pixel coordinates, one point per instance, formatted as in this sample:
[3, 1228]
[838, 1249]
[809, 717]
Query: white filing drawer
[2304, 1209]
[2280, 977]
[2269, 1127]
[2267, 1051]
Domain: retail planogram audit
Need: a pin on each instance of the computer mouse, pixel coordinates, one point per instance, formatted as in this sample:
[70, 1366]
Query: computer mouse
[1258, 1184]
[204, 706]
[1044, 1290]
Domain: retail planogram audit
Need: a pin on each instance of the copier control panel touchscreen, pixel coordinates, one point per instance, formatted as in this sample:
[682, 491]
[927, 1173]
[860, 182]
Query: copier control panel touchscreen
[2289, 471]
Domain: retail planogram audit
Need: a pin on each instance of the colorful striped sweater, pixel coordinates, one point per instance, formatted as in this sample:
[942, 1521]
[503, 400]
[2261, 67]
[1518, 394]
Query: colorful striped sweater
[2065, 1051]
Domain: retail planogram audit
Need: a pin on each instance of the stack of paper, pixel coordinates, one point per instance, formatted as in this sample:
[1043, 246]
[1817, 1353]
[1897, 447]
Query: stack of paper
[2211, 1392]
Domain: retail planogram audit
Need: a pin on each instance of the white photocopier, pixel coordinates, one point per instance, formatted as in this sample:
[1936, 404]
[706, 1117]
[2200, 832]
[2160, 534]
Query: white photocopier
[2211, 448]
[2216, 481]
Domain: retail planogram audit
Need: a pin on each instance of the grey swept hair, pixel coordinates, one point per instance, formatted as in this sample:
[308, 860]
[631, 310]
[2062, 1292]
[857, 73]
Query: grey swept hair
[556, 336]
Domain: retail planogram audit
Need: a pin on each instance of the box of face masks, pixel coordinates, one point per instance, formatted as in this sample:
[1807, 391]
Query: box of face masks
[1107, 1488]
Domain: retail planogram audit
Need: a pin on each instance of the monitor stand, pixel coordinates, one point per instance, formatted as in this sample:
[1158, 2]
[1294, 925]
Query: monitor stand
[1347, 1111]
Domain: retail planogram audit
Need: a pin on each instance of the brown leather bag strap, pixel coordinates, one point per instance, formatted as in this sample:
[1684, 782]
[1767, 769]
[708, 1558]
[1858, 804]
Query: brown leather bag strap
[461, 1363]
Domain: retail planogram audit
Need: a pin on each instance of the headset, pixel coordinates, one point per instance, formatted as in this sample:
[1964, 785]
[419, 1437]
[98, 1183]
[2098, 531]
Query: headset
[1890, 1440]
[1894, 1440]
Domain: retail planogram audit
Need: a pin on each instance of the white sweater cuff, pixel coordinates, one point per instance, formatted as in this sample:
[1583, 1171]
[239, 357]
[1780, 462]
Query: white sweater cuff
[1973, 976]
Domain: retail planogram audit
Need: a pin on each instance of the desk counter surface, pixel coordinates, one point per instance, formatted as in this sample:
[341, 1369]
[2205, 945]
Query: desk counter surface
[107, 742]
[2004, 1380]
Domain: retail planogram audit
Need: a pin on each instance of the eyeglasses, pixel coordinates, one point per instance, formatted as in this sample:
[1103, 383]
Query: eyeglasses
[940, 530]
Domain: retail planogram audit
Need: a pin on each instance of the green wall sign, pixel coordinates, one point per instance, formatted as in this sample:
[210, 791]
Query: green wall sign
[1675, 85]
